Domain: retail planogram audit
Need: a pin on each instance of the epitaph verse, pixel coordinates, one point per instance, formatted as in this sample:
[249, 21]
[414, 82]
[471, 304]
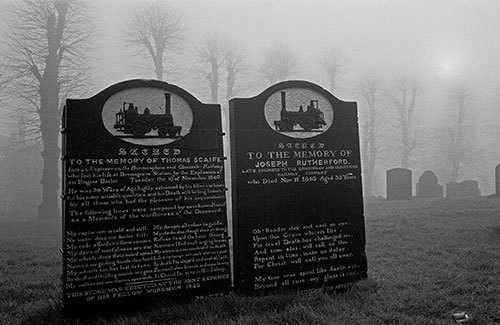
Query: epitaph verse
[143, 196]
[297, 197]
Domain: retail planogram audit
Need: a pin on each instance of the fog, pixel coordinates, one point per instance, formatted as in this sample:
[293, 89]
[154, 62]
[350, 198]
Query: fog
[442, 42]
[438, 39]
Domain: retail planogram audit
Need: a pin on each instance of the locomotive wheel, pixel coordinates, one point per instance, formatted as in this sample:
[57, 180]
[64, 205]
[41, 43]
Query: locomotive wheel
[288, 126]
[162, 131]
[139, 129]
[172, 133]
[306, 126]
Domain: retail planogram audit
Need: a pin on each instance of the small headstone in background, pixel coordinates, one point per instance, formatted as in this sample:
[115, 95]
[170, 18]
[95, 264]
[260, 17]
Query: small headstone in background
[428, 186]
[399, 186]
[467, 188]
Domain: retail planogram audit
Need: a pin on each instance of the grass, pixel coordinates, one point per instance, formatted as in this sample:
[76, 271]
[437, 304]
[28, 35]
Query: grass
[427, 259]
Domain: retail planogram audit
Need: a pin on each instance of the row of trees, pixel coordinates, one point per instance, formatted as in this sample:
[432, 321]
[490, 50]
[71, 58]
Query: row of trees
[47, 60]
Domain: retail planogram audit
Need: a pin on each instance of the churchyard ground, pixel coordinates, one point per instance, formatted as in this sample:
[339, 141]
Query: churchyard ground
[427, 259]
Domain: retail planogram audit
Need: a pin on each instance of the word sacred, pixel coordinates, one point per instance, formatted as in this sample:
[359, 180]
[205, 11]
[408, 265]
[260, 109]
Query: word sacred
[147, 152]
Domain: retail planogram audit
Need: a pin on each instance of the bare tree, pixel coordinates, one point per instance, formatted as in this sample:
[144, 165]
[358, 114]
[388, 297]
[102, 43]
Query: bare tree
[370, 88]
[278, 63]
[236, 64]
[155, 28]
[48, 45]
[461, 98]
[332, 63]
[406, 94]
[216, 58]
[210, 57]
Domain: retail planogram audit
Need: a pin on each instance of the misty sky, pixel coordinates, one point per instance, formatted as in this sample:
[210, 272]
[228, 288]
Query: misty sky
[439, 39]
[442, 41]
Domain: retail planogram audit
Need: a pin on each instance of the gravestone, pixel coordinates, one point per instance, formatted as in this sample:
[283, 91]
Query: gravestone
[297, 197]
[497, 180]
[399, 186]
[144, 209]
[467, 188]
[428, 186]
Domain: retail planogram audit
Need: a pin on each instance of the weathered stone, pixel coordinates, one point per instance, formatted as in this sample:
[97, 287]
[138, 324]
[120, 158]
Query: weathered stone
[297, 197]
[466, 188]
[399, 184]
[143, 196]
[428, 186]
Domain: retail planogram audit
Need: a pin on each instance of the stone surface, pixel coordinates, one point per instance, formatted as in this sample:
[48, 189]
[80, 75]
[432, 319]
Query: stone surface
[463, 189]
[399, 184]
[297, 197]
[428, 186]
[143, 196]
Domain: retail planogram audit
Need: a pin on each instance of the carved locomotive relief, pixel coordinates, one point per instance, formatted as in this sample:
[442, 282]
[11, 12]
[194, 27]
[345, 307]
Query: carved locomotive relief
[298, 113]
[130, 121]
[312, 118]
[147, 116]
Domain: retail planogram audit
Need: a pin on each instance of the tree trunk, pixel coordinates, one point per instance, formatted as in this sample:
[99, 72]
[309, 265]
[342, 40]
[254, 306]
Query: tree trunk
[49, 113]
[230, 84]
[332, 82]
[49, 207]
[158, 62]
[214, 81]
[405, 150]
[49, 128]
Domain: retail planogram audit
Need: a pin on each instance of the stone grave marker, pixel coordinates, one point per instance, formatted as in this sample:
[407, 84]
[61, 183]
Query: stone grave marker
[297, 198]
[399, 184]
[453, 189]
[466, 188]
[428, 186]
[144, 210]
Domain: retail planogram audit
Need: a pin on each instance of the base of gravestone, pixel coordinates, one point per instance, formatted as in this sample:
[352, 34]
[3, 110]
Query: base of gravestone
[125, 306]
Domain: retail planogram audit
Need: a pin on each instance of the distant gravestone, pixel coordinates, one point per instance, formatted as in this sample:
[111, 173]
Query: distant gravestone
[399, 184]
[497, 180]
[453, 189]
[297, 197]
[144, 209]
[428, 186]
[467, 188]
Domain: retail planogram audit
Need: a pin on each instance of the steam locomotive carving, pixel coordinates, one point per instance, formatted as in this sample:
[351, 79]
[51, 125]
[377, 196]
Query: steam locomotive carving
[312, 118]
[129, 121]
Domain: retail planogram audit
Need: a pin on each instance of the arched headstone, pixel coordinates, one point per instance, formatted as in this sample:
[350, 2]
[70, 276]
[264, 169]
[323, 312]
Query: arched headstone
[143, 196]
[428, 186]
[297, 196]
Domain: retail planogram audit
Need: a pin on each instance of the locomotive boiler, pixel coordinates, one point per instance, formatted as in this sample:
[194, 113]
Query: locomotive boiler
[312, 118]
[130, 121]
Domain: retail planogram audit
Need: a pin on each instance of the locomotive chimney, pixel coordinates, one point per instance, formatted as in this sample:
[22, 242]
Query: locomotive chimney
[283, 101]
[167, 104]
